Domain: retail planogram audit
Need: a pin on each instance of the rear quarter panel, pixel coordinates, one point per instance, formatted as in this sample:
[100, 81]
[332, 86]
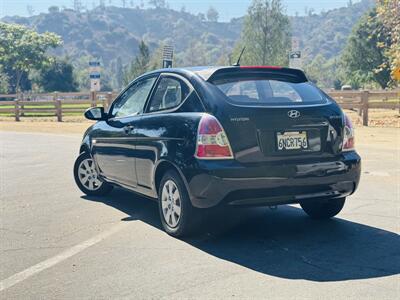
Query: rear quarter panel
[162, 137]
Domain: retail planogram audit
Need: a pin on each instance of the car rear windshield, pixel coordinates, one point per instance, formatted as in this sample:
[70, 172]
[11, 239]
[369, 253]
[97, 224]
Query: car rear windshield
[265, 91]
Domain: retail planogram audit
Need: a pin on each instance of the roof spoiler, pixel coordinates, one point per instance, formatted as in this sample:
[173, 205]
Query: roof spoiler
[293, 75]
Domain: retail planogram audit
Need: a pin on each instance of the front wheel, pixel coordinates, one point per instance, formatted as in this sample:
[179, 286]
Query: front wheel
[86, 177]
[178, 216]
[323, 209]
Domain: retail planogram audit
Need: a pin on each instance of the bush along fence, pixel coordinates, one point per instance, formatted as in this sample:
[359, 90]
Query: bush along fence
[63, 104]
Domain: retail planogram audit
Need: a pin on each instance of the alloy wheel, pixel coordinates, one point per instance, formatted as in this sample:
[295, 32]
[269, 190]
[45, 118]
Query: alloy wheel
[88, 175]
[171, 203]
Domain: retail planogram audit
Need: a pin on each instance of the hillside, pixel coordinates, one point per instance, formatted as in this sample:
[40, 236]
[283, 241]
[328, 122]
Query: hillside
[327, 33]
[113, 33]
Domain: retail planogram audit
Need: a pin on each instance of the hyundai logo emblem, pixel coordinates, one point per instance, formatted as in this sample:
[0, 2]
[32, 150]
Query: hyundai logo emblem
[293, 114]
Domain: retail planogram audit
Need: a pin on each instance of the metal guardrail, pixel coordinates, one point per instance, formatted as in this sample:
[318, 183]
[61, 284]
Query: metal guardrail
[59, 104]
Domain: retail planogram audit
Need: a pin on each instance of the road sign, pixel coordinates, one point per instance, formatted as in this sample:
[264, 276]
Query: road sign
[95, 85]
[295, 60]
[94, 75]
[295, 54]
[94, 67]
[168, 55]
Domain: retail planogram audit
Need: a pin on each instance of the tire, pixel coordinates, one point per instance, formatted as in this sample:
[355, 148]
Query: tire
[178, 216]
[323, 209]
[86, 177]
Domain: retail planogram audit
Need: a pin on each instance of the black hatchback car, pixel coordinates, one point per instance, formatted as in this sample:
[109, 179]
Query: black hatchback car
[196, 138]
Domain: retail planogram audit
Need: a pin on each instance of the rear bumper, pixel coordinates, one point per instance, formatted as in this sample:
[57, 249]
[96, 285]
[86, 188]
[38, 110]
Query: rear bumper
[229, 182]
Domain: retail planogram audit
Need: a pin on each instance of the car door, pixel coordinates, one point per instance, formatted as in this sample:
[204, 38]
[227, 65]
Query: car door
[155, 128]
[114, 146]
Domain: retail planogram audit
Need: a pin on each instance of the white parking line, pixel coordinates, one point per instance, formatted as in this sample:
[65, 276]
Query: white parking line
[48, 263]
[378, 173]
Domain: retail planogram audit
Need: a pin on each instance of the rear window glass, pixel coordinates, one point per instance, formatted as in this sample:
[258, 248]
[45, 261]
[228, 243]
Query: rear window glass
[263, 91]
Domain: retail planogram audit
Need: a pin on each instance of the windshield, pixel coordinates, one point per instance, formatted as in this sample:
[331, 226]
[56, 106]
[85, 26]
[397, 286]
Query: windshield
[256, 91]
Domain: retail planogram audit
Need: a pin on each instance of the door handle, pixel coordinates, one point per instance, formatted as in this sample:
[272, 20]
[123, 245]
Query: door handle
[128, 129]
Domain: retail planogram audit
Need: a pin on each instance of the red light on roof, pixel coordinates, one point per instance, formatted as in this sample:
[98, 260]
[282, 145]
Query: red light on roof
[261, 67]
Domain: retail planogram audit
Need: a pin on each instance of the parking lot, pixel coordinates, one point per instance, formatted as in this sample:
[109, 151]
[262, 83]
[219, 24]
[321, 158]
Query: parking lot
[57, 243]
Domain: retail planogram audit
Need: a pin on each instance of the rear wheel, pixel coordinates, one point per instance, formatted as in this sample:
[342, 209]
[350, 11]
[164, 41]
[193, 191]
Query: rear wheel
[323, 209]
[178, 216]
[86, 177]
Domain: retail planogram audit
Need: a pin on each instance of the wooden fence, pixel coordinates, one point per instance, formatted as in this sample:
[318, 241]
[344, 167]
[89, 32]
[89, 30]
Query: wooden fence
[56, 104]
[60, 104]
[362, 101]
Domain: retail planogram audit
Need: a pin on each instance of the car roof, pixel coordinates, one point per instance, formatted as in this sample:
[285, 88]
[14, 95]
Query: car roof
[207, 73]
[204, 72]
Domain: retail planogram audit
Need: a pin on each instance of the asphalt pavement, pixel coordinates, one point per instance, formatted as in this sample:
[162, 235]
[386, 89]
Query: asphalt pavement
[56, 243]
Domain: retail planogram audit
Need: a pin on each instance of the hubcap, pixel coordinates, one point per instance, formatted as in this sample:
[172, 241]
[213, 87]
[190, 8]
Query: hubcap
[171, 203]
[88, 175]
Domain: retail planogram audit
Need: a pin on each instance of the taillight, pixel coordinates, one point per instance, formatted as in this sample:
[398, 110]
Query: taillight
[212, 142]
[348, 137]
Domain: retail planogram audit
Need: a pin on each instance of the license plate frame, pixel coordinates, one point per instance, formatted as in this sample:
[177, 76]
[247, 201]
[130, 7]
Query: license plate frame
[292, 140]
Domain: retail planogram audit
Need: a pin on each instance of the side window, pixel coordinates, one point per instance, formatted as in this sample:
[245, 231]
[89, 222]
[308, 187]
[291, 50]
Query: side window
[169, 93]
[132, 101]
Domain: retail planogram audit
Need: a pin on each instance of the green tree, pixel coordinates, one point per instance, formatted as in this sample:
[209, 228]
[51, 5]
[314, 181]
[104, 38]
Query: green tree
[158, 3]
[265, 34]
[119, 73]
[57, 76]
[201, 17]
[337, 84]
[23, 50]
[78, 5]
[225, 57]
[315, 70]
[53, 9]
[389, 12]
[363, 60]
[4, 85]
[323, 72]
[139, 65]
[156, 58]
[196, 54]
[212, 15]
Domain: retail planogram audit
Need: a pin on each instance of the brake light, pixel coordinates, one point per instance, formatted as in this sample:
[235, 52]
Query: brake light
[212, 142]
[261, 67]
[348, 137]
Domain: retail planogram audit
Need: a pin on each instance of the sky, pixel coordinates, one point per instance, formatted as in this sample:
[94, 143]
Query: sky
[227, 8]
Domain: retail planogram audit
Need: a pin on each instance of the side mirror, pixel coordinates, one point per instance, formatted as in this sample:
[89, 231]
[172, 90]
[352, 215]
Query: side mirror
[95, 113]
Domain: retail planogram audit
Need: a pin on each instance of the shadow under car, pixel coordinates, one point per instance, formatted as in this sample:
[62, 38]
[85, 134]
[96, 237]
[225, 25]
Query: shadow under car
[283, 243]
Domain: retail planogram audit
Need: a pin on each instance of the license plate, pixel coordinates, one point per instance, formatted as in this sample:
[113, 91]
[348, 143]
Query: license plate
[292, 140]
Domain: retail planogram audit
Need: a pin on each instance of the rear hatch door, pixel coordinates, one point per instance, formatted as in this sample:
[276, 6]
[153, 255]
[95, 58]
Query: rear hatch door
[276, 114]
